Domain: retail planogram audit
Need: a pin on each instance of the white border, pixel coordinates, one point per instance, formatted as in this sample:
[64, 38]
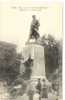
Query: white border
[49, 1]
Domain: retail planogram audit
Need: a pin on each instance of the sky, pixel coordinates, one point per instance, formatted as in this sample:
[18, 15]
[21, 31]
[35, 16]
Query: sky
[15, 23]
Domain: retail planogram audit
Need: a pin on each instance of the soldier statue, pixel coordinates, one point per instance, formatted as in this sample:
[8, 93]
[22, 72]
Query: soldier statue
[34, 28]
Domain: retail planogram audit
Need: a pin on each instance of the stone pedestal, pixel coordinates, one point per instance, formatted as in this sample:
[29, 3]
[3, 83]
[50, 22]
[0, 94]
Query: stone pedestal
[36, 52]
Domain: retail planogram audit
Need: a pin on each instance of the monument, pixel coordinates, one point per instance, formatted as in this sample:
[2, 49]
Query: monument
[34, 49]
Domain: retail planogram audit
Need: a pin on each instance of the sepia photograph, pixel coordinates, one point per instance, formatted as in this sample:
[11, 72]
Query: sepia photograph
[31, 45]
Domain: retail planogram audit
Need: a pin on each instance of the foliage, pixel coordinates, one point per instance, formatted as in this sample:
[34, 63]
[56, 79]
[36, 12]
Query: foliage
[53, 53]
[9, 65]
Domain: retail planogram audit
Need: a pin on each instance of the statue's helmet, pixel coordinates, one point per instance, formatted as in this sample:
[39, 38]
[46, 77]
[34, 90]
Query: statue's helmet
[33, 16]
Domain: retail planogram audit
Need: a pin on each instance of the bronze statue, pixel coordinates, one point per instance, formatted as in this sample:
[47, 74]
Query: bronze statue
[34, 28]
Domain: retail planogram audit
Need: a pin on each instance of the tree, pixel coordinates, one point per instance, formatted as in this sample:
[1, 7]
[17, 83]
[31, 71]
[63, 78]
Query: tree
[52, 53]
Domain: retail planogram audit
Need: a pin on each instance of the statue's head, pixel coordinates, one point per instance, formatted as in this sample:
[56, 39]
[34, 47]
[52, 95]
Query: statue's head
[34, 16]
